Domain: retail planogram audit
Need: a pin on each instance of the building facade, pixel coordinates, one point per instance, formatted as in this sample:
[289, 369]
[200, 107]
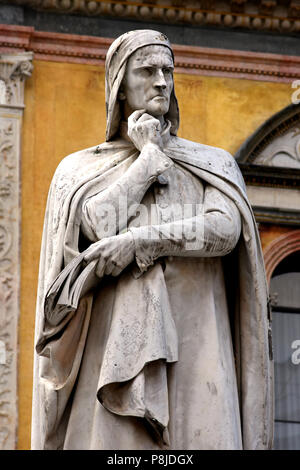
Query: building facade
[237, 77]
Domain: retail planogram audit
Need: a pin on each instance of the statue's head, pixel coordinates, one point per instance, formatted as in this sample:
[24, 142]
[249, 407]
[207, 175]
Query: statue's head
[139, 75]
[148, 81]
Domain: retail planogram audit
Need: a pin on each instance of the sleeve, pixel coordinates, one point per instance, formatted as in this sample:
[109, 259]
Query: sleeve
[108, 212]
[213, 232]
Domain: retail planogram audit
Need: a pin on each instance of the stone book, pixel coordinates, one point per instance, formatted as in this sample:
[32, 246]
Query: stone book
[76, 280]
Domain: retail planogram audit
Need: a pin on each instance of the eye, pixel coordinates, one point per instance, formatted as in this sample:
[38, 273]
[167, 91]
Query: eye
[167, 71]
[148, 70]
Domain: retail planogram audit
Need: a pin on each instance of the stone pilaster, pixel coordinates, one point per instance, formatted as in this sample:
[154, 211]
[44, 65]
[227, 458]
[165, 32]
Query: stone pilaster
[14, 68]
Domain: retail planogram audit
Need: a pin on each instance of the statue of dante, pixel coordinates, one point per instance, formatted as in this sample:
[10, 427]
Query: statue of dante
[152, 324]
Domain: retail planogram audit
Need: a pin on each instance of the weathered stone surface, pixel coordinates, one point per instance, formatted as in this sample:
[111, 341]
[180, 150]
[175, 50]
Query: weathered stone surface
[132, 313]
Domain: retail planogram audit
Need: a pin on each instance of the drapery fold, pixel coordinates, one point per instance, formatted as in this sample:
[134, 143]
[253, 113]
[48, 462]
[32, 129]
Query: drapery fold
[56, 373]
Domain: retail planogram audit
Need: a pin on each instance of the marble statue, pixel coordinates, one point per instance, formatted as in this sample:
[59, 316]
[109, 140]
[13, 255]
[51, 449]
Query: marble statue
[152, 325]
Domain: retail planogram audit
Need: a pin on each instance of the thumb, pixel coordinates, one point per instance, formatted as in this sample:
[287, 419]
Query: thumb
[92, 252]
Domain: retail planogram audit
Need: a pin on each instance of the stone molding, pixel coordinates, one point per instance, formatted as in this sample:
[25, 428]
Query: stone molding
[14, 69]
[276, 216]
[262, 15]
[188, 59]
[270, 176]
[279, 249]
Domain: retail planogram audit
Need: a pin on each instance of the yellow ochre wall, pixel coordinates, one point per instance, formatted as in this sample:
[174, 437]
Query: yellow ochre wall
[65, 112]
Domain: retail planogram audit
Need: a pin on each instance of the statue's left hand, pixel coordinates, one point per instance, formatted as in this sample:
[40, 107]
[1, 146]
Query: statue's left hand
[114, 254]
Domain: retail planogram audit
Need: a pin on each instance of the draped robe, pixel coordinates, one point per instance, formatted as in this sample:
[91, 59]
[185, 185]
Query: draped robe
[199, 374]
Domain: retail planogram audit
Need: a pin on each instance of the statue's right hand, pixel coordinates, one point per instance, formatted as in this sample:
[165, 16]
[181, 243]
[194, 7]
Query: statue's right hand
[113, 254]
[144, 129]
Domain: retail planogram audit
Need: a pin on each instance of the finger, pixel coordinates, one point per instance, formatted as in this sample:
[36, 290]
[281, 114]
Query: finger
[110, 266]
[90, 255]
[92, 252]
[150, 123]
[116, 271]
[146, 117]
[136, 115]
[100, 268]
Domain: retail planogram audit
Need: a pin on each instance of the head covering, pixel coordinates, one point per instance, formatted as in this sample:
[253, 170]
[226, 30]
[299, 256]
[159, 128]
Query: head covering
[115, 66]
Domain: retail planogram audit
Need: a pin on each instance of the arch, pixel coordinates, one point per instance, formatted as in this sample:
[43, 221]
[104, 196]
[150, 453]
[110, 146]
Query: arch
[274, 126]
[270, 158]
[279, 249]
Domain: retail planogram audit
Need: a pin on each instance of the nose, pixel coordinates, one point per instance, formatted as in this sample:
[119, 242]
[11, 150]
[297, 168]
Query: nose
[160, 81]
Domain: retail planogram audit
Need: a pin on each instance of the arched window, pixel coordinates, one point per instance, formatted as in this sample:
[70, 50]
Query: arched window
[270, 162]
[285, 295]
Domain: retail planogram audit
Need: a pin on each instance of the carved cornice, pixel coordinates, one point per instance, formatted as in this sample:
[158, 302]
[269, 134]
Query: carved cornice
[276, 216]
[268, 176]
[262, 15]
[188, 59]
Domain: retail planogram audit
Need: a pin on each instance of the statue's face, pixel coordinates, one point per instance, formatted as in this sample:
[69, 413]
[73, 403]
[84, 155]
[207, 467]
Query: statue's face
[148, 80]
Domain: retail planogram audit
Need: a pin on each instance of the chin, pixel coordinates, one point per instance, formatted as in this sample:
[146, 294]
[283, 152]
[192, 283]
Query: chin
[158, 111]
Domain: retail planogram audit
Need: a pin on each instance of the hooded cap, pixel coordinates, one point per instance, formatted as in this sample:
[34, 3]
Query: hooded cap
[115, 66]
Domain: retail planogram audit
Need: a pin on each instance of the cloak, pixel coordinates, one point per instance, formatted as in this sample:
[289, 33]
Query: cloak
[61, 333]
[67, 285]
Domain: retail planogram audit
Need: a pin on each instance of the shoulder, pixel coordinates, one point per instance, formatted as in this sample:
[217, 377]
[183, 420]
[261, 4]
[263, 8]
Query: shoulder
[91, 158]
[213, 159]
[76, 160]
[198, 150]
[73, 170]
[81, 166]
